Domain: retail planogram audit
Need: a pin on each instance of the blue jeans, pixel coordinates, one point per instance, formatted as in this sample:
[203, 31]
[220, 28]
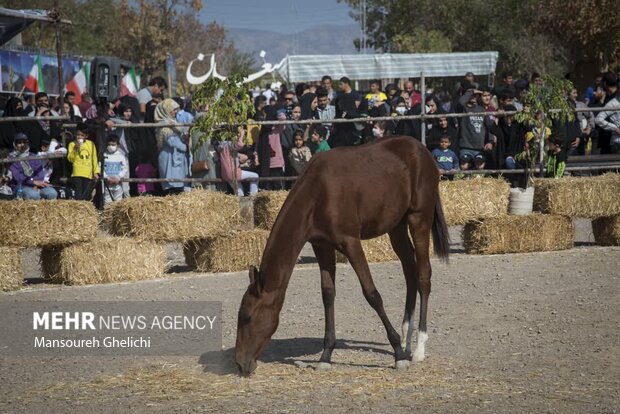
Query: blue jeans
[46, 193]
[511, 164]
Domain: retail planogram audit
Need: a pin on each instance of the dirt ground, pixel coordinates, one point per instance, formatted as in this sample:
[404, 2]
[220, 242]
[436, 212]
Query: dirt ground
[515, 333]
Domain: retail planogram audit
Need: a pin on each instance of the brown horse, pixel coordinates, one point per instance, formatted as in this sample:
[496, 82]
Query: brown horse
[346, 195]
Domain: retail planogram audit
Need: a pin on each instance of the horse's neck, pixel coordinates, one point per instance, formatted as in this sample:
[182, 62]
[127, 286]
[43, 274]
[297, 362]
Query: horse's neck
[287, 238]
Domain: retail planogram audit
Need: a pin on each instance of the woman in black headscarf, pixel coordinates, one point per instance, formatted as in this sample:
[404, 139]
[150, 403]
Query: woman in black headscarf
[345, 134]
[32, 129]
[309, 103]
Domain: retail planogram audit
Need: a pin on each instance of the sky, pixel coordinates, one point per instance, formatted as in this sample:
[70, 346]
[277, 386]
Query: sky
[283, 16]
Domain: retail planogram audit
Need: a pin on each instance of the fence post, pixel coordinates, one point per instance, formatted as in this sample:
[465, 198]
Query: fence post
[423, 105]
[101, 136]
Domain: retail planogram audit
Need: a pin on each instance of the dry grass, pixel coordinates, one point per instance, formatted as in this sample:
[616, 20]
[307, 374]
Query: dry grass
[267, 205]
[32, 223]
[226, 253]
[285, 382]
[476, 198]
[103, 260]
[11, 273]
[519, 234]
[607, 230]
[179, 218]
[589, 197]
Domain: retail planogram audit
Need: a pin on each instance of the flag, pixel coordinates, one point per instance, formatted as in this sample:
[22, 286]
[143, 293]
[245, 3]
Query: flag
[130, 83]
[79, 83]
[34, 82]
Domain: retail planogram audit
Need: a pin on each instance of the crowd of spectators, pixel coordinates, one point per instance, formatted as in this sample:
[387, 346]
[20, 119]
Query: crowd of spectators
[173, 152]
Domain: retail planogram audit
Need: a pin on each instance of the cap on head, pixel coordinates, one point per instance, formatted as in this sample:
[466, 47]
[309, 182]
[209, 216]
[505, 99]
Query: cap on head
[20, 136]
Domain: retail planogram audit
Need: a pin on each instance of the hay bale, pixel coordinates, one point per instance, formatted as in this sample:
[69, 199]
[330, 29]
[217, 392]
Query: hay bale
[518, 234]
[607, 230]
[30, 223]
[267, 205]
[378, 250]
[11, 272]
[232, 252]
[103, 260]
[465, 200]
[180, 218]
[589, 197]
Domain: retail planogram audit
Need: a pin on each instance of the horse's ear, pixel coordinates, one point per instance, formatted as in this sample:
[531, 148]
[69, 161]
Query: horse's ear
[253, 275]
[256, 284]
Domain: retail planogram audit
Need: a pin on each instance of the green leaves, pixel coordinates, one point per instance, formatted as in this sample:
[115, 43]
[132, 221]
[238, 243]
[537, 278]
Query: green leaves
[542, 99]
[542, 104]
[226, 105]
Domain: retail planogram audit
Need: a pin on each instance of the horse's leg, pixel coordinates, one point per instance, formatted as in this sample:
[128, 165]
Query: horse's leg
[326, 257]
[420, 228]
[399, 237]
[355, 253]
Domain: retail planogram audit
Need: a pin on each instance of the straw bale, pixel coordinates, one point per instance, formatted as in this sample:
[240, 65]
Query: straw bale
[103, 260]
[518, 234]
[607, 230]
[30, 223]
[475, 198]
[267, 205]
[589, 197]
[179, 218]
[232, 252]
[11, 273]
[378, 250]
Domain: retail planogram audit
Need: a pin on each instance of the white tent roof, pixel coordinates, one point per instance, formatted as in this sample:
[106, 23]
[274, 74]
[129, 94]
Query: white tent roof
[305, 68]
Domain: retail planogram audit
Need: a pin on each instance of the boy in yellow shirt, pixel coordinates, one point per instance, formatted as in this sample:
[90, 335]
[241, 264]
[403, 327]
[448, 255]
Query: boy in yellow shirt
[82, 154]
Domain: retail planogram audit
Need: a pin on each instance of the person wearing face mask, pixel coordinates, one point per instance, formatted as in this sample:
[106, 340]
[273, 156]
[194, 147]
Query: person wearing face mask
[28, 174]
[381, 129]
[114, 169]
[82, 154]
[403, 126]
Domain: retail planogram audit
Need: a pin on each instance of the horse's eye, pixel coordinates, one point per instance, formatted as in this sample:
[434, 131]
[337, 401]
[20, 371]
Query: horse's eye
[246, 318]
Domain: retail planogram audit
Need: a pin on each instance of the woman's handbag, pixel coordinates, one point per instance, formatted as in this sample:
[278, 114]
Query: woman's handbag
[200, 166]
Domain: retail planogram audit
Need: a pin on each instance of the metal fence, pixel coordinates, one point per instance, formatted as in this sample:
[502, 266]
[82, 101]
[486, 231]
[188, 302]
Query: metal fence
[596, 164]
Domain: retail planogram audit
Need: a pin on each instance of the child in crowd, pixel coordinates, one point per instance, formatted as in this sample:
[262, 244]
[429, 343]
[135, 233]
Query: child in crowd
[556, 157]
[82, 154]
[300, 155]
[50, 147]
[318, 137]
[381, 129]
[114, 169]
[145, 170]
[446, 159]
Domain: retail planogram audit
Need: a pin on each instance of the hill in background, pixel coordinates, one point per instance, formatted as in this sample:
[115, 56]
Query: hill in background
[325, 39]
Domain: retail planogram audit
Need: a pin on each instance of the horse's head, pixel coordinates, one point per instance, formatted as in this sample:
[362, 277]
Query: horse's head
[257, 321]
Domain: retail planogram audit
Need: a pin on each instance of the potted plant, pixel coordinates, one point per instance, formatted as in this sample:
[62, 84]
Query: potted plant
[542, 105]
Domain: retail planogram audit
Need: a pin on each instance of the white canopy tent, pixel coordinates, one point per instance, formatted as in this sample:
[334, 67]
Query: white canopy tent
[305, 68]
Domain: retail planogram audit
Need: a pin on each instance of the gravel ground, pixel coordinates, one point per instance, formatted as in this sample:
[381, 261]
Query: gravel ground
[507, 333]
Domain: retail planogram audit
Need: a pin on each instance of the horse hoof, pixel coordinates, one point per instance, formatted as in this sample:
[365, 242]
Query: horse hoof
[402, 365]
[323, 366]
[418, 356]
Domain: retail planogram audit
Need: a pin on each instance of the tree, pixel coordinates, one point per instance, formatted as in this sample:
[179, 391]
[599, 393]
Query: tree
[92, 20]
[530, 35]
[543, 104]
[143, 32]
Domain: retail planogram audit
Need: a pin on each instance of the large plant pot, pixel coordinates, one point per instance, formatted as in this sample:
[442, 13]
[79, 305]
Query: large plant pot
[521, 201]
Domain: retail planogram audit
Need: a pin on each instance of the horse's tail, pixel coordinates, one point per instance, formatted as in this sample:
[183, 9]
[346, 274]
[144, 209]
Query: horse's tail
[441, 238]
